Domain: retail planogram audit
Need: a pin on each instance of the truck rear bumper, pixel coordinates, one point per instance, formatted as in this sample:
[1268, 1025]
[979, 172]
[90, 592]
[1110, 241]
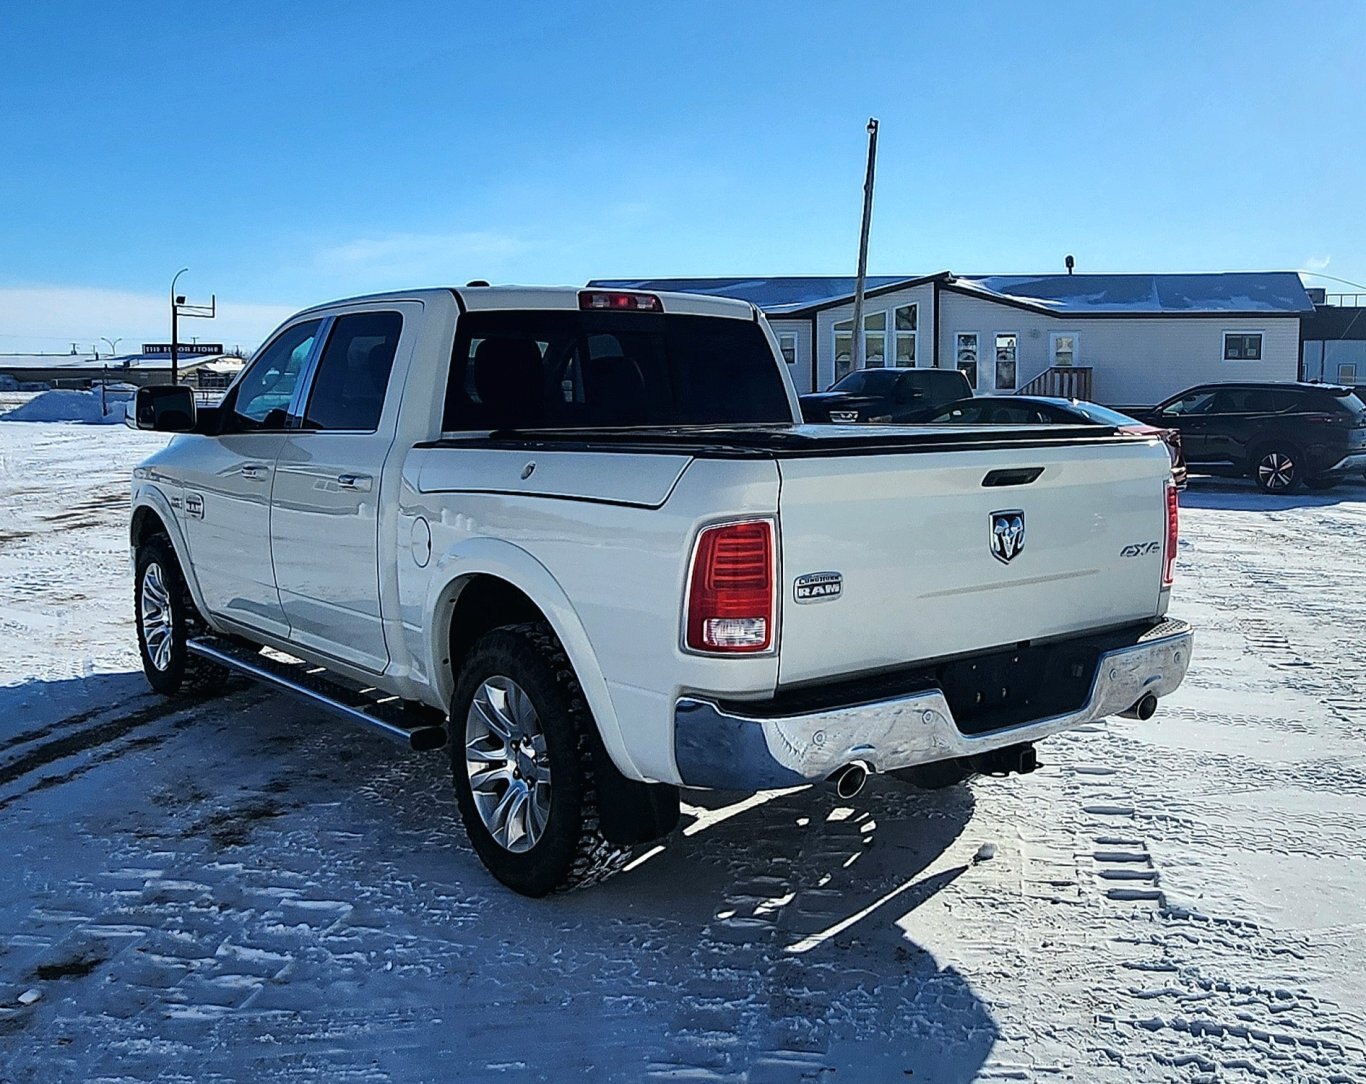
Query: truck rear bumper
[743, 746]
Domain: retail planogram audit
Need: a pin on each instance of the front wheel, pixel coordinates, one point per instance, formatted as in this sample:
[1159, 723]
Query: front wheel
[1277, 470]
[166, 616]
[522, 759]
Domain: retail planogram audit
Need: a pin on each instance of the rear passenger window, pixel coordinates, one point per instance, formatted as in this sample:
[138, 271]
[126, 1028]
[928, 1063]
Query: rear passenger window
[353, 373]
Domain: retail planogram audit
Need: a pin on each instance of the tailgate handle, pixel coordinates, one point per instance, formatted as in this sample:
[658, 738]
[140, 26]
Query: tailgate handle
[1016, 476]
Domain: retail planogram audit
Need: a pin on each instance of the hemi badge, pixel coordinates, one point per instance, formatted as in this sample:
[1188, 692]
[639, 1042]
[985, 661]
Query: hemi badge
[818, 587]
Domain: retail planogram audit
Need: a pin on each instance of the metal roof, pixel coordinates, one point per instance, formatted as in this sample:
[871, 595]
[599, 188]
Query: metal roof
[1235, 292]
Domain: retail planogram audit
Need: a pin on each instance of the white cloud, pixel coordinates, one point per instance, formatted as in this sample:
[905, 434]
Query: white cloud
[419, 256]
[51, 318]
[1317, 263]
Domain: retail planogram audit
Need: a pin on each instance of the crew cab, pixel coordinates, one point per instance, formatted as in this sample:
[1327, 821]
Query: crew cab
[585, 535]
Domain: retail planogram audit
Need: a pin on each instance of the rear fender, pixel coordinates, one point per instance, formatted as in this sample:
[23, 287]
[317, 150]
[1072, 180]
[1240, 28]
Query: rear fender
[514, 565]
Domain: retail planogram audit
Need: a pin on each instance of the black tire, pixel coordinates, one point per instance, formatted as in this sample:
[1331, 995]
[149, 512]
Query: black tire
[571, 850]
[937, 776]
[1276, 468]
[1321, 485]
[171, 670]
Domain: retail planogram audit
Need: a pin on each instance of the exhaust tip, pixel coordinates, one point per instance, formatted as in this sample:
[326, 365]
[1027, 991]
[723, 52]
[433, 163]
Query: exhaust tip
[1143, 709]
[849, 780]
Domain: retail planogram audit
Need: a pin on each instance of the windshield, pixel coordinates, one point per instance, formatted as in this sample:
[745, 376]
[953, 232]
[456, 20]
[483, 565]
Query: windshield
[568, 370]
[868, 382]
[1102, 415]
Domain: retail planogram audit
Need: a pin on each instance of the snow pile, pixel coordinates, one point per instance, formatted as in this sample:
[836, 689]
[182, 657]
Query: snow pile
[64, 405]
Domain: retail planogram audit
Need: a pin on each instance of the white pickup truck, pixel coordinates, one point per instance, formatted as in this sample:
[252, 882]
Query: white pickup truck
[588, 528]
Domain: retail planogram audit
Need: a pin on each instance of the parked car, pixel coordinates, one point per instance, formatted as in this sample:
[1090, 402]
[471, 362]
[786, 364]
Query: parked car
[1045, 410]
[885, 395]
[589, 530]
[1281, 435]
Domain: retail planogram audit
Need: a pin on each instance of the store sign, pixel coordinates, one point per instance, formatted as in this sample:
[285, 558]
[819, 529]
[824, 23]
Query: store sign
[183, 348]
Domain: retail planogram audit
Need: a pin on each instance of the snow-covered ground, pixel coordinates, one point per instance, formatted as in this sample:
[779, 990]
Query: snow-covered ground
[244, 889]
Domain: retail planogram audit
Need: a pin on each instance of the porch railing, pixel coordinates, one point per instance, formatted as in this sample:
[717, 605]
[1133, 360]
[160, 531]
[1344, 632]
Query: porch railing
[1061, 382]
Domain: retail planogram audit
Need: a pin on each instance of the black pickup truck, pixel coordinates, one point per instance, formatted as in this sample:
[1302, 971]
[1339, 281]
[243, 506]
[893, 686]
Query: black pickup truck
[886, 395]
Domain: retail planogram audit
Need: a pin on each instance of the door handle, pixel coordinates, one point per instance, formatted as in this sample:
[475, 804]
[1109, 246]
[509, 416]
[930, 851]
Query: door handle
[359, 482]
[254, 471]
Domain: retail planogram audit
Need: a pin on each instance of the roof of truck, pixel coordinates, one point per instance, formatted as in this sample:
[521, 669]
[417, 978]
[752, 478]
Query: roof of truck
[511, 297]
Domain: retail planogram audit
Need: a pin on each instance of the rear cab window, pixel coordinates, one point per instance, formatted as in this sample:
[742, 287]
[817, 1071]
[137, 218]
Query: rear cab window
[541, 369]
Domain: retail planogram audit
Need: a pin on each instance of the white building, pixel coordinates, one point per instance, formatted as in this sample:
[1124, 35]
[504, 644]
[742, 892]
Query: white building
[1118, 339]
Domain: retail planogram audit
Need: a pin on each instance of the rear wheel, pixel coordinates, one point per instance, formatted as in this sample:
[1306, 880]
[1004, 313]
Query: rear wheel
[523, 765]
[1277, 469]
[166, 618]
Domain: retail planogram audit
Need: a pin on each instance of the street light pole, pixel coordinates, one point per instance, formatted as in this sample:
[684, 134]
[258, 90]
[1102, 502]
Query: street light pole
[176, 302]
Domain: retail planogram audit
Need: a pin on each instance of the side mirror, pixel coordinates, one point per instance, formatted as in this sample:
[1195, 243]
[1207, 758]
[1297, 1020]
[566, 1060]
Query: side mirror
[165, 408]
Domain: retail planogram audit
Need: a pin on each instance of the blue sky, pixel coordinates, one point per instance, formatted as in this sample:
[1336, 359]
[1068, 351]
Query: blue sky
[289, 153]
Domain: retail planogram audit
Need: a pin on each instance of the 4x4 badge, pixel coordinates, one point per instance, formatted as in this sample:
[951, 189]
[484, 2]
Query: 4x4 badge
[1007, 534]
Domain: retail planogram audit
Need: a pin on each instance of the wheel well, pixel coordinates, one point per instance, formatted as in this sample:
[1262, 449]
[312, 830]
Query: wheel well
[484, 603]
[146, 523]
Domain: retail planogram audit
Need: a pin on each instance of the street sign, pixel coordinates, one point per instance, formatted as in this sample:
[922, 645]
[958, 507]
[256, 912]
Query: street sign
[183, 348]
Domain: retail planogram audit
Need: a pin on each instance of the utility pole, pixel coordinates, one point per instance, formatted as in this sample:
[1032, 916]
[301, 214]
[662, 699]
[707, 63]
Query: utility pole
[113, 343]
[857, 360]
[178, 309]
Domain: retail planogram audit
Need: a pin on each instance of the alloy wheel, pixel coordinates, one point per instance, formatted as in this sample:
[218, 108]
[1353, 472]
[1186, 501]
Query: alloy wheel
[158, 620]
[1276, 471]
[508, 764]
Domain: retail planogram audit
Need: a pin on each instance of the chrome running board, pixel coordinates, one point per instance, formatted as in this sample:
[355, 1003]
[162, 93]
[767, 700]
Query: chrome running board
[416, 726]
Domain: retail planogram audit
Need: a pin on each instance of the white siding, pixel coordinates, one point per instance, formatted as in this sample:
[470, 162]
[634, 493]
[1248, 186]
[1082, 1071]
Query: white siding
[923, 296]
[801, 371]
[1136, 361]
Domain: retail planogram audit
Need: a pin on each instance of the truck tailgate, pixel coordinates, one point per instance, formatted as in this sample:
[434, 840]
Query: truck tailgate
[911, 537]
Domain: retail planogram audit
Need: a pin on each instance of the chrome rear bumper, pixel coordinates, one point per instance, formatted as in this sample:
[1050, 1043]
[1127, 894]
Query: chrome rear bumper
[735, 748]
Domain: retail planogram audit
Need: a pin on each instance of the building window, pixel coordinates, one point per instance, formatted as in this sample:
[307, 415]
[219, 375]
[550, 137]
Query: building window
[1063, 348]
[875, 340]
[844, 348]
[1007, 347]
[905, 321]
[1242, 346]
[965, 350]
[1347, 374]
[787, 345]
[874, 343]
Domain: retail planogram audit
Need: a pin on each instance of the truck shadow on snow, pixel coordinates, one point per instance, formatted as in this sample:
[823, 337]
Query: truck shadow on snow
[769, 935]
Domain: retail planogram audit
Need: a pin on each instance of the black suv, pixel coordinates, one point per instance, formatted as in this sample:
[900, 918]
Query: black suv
[1280, 435]
[885, 395]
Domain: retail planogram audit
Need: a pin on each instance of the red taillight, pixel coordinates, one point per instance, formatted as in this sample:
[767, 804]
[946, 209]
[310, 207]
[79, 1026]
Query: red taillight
[730, 598]
[1173, 534]
[620, 302]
